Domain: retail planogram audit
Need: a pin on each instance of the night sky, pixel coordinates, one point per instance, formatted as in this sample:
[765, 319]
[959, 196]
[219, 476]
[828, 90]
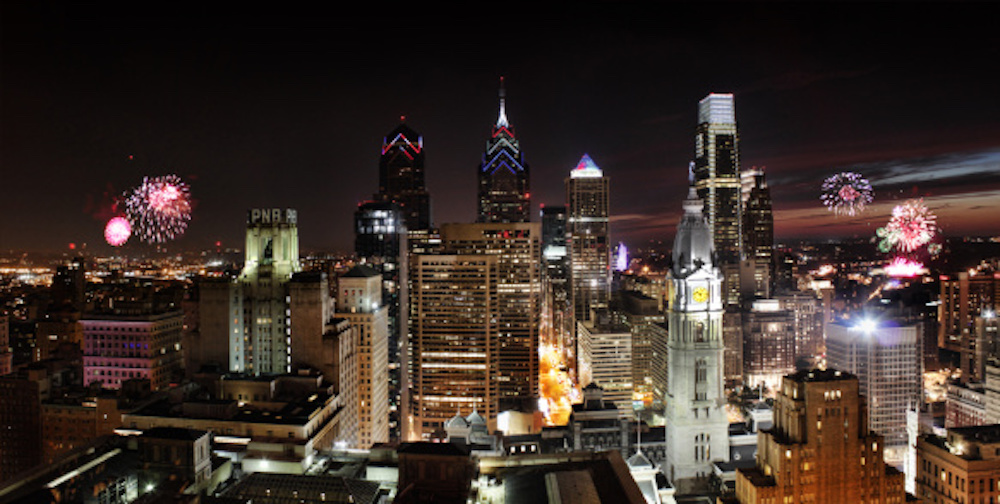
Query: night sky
[288, 109]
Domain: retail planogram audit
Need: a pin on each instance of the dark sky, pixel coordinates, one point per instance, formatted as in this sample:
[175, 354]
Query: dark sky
[288, 108]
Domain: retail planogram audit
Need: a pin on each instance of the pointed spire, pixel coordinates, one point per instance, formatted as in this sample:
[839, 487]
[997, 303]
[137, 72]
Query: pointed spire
[502, 119]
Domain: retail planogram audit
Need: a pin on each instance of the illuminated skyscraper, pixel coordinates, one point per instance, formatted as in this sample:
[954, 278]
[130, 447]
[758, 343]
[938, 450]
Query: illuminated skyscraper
[758, 229]
[454, 340]
[516, 247]
[717, 179]
[557, 300]
[697, 424]
[362, 359]
[587, 228]
[381, 243]
[504, 182]
[401, 175]
[272, 256]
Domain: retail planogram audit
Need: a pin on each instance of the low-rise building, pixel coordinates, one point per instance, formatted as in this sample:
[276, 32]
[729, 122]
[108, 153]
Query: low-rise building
[964, 466]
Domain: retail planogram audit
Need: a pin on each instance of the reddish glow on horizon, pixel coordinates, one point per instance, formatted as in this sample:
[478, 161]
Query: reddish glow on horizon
[117, 231]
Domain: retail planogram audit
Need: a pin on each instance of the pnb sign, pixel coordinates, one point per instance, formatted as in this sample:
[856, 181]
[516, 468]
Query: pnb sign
[272, 216]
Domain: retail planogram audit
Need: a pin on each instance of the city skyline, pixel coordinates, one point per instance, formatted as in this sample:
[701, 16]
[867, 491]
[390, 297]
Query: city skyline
[290, 112]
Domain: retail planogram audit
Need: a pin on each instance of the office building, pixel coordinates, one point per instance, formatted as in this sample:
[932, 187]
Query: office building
[557, 298]
[605, 358]
[820, 448]
[965, 296]
[504, 177]
[401, 176]
[717, 179]
[587, 228]
[768, 344]
[963, 466]
[697, 424]
[455, 364]
[758, 230]
[363, 359]
[117, 348]
[310, 309]
[808, 312]
[886, 358]
[272, 256]
[516, 247]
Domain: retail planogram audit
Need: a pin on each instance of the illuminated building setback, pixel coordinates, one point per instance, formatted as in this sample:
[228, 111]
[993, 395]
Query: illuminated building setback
[401, 176]
[504, 182]
[454, 347]
[587, 227]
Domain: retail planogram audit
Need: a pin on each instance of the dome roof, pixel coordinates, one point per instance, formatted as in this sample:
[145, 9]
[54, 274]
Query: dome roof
[693, 248]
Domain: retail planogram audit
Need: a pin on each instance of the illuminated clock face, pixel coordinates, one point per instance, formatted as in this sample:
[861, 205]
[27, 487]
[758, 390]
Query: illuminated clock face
[699, 295]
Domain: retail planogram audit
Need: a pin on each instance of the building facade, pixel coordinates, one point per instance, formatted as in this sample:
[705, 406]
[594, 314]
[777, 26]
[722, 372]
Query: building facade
[717, 179]
[117, 348]
[963, 466]
[697, 424]
[819, 448]
[401, 176]
[587, 202]
[768, 344]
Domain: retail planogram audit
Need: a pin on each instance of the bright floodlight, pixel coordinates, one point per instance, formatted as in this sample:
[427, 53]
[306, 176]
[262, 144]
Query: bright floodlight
[865, 326]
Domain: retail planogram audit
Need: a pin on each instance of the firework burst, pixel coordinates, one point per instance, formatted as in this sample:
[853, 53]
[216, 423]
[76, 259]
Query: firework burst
[117, 231]
[159, 209]
[846, 193]
[911, 227]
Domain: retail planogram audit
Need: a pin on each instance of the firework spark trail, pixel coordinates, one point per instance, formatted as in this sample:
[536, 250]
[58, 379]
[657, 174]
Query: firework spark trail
[159, 209]
[846, 193]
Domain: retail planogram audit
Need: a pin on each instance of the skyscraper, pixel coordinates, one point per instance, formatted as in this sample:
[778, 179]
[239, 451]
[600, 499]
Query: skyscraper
[697, 424]
[454, 340]
[717, 179]
[758, 227]
[363, 359]
[272, 256]
[587, 202]
[557, 298]
[886, 357]
[504, 181]
[381, 243]
[516, 247]
[401, 175]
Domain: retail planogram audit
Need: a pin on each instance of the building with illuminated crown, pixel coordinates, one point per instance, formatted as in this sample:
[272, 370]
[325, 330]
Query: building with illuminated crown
[587, 202]
[717, 179]
[504, 178]
[401, 175]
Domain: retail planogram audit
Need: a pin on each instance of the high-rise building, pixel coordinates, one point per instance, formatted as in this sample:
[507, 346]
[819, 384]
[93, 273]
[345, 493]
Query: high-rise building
[717, 179]
[587, 201]
[117, 348]
[363, 359]
[820, 448]
[887, 359]
[516, 247]
[808, 312]
[454, 340]
[605, 358]
[401, 176]
[697, 425]
[758, 226]
[504, 178]
[272, 256]
[381, 243]
[964, 297]
[309, 312]
[768, 344]
[557, 298]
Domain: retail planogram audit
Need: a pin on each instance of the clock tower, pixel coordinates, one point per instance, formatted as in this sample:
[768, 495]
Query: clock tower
[696, 421]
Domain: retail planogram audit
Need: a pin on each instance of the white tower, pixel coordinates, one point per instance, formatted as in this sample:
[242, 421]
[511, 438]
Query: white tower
[696, 421]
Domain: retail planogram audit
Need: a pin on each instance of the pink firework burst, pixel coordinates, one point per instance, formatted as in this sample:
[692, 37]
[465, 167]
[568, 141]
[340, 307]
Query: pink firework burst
[159, 209]
[901, 267]
[912, 226]
[847, 193]
[117, 231]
